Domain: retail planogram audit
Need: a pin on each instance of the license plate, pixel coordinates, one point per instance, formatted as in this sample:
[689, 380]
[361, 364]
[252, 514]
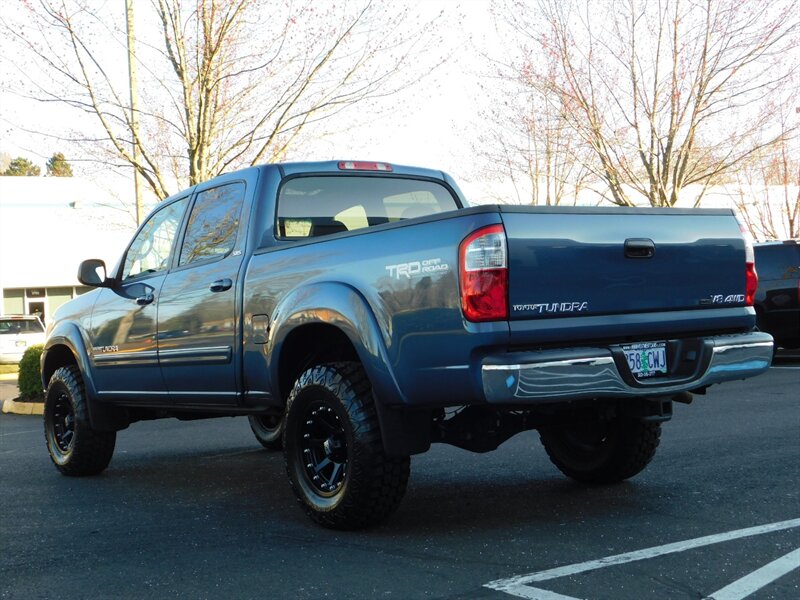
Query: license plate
[21, 344]
[646, 359]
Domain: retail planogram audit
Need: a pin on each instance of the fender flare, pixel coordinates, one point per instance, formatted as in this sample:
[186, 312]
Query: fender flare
[403, 432]
[343, 307]
[69, 335]
[102, 417]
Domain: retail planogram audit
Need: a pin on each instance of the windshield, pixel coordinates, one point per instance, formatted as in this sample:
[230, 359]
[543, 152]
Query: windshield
[15, 326]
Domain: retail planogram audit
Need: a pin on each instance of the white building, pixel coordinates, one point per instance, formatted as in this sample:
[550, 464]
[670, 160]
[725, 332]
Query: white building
[48, 225]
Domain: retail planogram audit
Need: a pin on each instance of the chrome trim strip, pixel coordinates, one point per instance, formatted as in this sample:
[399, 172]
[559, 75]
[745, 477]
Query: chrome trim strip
[142, 358]
[593, 361]
[132, 393]
[720, 349]
[165, 393]
[202, 393]
[194, 351]
[732, 357]
[213, 355]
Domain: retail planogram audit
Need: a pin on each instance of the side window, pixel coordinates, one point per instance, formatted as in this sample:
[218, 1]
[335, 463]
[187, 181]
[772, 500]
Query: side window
[149, 251]
[213, 224]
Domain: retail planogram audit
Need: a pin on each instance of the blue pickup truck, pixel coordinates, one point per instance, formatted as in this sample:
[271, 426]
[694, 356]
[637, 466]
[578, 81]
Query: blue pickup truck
[357, 312]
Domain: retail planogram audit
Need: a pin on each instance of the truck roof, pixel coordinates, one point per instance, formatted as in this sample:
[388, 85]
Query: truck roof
[336, 166]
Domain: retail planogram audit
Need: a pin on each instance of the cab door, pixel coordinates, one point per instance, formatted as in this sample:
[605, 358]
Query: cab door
[123, 329]
[198, 315]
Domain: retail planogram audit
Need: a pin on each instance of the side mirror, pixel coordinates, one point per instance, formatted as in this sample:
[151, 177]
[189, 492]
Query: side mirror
[92, 272]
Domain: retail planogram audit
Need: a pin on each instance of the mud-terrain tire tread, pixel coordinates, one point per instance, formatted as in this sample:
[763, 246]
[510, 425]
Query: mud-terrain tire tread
[634, 446]
[91, 450]
[376, 482]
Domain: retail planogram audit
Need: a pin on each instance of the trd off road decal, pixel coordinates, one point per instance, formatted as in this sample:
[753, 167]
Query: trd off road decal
[417, 268]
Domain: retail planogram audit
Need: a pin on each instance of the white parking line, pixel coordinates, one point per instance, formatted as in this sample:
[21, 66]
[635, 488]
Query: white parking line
[20, 432]
[749, 584]
[518, 585]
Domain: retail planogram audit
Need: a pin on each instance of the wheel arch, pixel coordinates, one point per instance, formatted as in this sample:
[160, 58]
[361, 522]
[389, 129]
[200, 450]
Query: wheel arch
[318, 317]
[64, 347]
[331, 322]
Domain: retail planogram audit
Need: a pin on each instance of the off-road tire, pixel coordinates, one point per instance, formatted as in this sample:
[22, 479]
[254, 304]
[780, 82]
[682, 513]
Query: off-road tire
[335, 402]
[602, 452]
[268, 430]
[75, 448]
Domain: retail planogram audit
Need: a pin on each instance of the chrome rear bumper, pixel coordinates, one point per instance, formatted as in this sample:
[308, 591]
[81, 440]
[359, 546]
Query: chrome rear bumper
[601, 372]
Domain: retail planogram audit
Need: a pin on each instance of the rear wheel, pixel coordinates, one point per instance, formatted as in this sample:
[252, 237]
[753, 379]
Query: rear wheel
[602, 452]
[334, 453]
[75, 448]
[268, 430]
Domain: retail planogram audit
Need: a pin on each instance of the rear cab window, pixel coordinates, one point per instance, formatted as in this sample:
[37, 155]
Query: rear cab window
[313, 206]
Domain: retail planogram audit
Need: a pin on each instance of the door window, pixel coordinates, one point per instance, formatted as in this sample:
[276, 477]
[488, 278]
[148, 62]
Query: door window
[149, 252]
[213, 224]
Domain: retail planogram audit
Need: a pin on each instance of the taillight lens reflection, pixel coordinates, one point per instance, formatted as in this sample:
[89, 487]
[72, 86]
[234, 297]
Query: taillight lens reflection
[483, 270]
[751, 283]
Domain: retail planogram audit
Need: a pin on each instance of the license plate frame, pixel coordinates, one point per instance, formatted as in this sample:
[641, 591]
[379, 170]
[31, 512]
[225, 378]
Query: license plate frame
[646, 359]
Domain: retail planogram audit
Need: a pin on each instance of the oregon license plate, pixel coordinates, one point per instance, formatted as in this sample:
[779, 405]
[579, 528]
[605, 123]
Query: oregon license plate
[646, 359]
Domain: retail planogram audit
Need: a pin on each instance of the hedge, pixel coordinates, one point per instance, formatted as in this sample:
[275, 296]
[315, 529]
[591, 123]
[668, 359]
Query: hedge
[29, 380]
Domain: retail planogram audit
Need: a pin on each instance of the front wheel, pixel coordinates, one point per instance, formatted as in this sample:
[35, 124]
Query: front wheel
[333, 450]
[75, 448]
[268, 430]
[602, 452]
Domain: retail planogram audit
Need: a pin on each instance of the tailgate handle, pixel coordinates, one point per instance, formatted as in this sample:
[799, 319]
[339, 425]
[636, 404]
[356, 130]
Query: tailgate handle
[639, 248]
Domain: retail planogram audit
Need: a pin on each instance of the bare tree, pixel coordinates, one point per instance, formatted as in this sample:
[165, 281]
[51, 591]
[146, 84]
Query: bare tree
[224, 83]
[667, 93]
[525, 138]
[767, 185]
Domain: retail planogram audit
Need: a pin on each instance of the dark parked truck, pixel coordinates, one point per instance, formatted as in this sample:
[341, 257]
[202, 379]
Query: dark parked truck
[358, 312]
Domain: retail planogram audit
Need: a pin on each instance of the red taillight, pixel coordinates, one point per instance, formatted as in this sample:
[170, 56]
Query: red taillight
[750, 275]
[483, 270]
[355, 165]
[751, 283]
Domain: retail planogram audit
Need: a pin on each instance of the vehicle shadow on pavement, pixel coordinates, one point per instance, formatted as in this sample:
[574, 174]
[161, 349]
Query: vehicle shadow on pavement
[245, 489]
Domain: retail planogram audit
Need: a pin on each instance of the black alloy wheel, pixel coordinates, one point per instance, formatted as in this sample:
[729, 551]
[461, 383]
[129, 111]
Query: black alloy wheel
[75, 447]
[63, 423]
[334, 453]
[323, 449]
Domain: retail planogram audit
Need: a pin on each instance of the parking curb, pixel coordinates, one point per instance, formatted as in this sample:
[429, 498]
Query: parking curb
[23, 408]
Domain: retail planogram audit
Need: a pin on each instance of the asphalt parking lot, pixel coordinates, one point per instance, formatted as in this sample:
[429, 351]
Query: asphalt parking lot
[199, 510]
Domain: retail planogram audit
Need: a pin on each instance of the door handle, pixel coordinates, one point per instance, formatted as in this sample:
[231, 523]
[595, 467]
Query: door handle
[220, 285]
[144, 300]
[639, 248]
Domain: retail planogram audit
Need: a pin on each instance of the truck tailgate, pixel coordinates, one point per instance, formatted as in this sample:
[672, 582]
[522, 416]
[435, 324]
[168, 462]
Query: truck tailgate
[601, 261]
